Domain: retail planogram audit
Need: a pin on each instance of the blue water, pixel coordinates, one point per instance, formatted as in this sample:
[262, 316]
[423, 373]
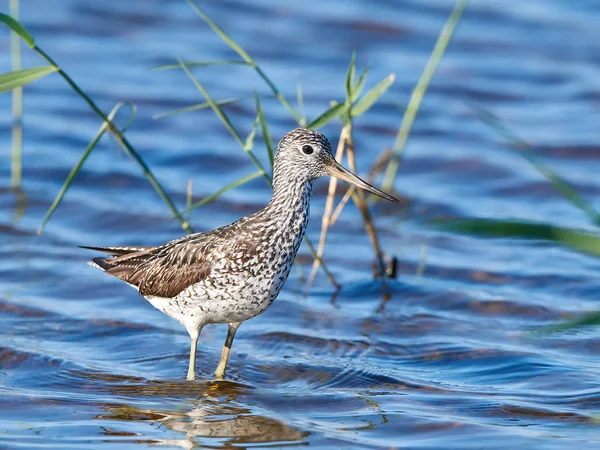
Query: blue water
[445, 361]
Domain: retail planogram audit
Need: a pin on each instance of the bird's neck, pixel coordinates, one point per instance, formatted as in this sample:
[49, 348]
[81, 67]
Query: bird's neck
[287, 213]
[290, 203]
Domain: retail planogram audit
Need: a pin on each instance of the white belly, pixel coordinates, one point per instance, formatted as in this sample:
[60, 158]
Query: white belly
[199, 305]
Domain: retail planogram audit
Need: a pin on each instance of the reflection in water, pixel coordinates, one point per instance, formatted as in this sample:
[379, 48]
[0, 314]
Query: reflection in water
[215, 416]
[20, 205]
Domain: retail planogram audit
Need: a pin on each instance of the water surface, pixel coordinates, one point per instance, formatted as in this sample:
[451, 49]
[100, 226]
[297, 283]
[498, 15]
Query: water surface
[444, 360]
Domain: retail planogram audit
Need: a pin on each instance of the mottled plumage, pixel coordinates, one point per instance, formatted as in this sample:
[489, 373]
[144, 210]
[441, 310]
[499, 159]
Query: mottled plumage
[233, 273]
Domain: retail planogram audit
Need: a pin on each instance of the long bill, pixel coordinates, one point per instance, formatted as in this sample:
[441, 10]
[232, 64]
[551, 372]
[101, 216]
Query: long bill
[335, 169]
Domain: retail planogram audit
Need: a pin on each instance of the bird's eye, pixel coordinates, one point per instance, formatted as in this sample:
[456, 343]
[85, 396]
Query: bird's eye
[307, 149]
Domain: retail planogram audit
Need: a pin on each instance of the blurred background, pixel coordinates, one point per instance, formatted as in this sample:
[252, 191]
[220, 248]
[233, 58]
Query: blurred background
[445, 355]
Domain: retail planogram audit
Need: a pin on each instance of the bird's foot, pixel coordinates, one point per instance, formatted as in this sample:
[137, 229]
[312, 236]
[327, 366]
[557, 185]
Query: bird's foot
[220, 374]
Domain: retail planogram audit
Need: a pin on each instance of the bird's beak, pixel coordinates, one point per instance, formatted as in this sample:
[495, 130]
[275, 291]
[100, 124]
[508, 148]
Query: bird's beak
[335, 169]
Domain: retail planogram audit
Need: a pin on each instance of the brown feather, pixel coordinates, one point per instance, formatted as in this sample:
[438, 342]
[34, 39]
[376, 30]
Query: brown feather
[156, 271]
[117, 250]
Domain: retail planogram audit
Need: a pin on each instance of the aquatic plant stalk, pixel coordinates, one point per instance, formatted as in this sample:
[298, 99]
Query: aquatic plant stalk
[224, 189]
[300, 97]
[121, 139]
[242, 53]
[264, 129]
[326, 217]
[417, 95]
[19, 29]
[17, 105]
[75, 170]
[195, 107]
[359, 198]
[201, 64]
[526, 150]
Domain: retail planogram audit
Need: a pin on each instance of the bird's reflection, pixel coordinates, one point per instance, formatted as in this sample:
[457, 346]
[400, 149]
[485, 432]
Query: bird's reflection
[214, 419]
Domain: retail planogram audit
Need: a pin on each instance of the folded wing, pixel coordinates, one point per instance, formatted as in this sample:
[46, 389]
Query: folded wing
[156, 271]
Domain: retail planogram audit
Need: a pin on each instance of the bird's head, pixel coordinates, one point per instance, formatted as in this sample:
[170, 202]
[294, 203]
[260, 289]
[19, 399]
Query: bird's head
[307, 154]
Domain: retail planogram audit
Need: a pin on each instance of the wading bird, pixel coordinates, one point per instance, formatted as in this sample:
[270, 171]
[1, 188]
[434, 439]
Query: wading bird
[233, 273]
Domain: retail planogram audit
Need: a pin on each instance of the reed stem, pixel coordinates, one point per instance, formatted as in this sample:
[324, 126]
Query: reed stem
[17, 105]
[120, 138]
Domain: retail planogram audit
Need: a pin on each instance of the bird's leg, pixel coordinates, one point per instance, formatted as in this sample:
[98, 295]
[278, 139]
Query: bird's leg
[220, 372]
[191, 375]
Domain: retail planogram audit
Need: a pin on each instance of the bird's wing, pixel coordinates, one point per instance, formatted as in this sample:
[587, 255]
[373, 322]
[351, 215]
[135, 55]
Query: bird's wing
[115, 251]
[162, 271]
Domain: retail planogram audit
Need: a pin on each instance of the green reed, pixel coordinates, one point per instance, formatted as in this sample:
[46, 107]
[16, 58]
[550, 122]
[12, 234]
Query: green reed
[17, 104]
[419, 92]
[69, 180]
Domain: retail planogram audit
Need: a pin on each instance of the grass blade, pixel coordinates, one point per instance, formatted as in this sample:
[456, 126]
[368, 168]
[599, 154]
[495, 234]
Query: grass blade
[499, 228]
[300, 98]
[213, 104]
[219, 31]
[188, 195]
[18, 78]
[327, 116]
[249, 143]
[360, 84]
[75, 170]
[526, 150]
[221, 115]
[372, 96]
[583, 320]
[564, 189]
[242, 53]
[230, 186]
[16, 165]
[123, 142]
[200, 64]
[16, 26]
[264, 128]
[132, 115]
[580, 240]
[417, 95]
[350, 77]
[196, 107]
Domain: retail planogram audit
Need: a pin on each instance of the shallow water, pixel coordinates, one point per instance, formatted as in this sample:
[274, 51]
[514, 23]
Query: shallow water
[445, 360]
